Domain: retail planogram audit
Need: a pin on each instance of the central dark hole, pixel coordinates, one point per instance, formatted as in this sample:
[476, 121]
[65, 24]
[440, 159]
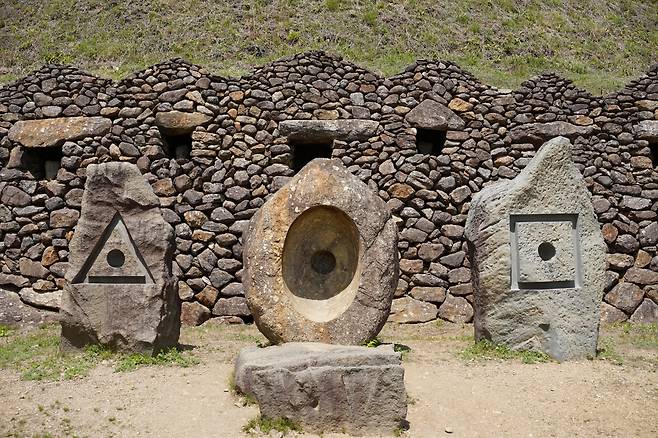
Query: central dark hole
[546, 251]
[323, 262]
[115, 258]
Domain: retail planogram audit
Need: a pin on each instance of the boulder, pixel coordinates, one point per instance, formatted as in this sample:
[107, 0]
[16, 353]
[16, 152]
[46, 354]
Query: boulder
[646, 313]
[647, 130]
[625, 296]
[409, 310]
[432, 115]
[537, 133]
[54, 132]
[178, 123]
[320, 259]
[456, 309]
[326, 388]
[119, 290]
[309, 131]
[610, 314]
[538, 258]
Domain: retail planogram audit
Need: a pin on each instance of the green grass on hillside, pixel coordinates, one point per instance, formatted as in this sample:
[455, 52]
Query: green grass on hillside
[600, 45]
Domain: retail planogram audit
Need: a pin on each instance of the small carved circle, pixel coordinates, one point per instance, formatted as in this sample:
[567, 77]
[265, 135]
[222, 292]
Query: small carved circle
[546, 251]
[115, 258]
[323, 262]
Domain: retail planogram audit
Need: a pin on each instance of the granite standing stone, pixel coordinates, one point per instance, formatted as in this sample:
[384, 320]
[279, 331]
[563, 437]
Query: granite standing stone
[538, 258]
[119, 289]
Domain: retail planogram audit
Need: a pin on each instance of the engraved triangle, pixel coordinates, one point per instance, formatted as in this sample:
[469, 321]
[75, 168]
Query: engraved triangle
[115, 259]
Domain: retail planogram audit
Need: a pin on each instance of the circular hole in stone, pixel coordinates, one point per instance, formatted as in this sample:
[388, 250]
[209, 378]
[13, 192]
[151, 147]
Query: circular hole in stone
[115, 258]
[323, 262]
[546, 251]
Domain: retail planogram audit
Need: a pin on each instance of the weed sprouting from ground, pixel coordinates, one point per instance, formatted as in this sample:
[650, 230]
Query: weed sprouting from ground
[266, 425]
[4, 331]
[36, 356]
[487, 350]
[376, 342]
[607, 351]
[640, 335]
[172, 356]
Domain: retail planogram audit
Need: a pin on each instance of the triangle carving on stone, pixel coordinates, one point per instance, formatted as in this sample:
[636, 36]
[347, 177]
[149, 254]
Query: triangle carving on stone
[115, 259]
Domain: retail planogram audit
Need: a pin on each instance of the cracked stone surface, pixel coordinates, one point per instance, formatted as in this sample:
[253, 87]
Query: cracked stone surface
[326, 387]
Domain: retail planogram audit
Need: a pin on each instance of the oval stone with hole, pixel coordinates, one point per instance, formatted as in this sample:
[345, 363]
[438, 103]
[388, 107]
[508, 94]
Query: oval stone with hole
[321, 259]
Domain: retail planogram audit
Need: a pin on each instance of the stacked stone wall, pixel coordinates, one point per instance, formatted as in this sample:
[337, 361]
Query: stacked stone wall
[213, 150]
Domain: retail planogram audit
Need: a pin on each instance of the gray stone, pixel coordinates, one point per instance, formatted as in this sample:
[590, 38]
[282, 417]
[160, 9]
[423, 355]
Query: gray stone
[646, 313]
[15, 197]
[430, 114]
[641, 276]
[431, 294]
[335, 278]
[326, 388]
[54, 132]
[42, 300]
[327, 130]
[119, 289]
[234, 306]
[14, 312]
[647, 130]
[537, 133]
[538, 286]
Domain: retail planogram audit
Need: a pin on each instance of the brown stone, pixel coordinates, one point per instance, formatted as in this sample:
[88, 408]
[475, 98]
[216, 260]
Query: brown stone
[195, 218]
[164, 187]
[208, 296]
[456, 309]
[427, 293]
[193, 313]
[610, 314]
[64, 218]
[433, 115]
[641, 276]
[460, 105]
[178, 123]
[642, 259]
[401, 191]
[54, 132]
[15, 197]
[49, 256]
[334, 279]
[411, 266]
[609, 232]
[625, 296]
[409, 310]
[30, 268]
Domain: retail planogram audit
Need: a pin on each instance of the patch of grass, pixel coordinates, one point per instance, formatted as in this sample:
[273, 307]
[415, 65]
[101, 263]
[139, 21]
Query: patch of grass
[5, 330]
[36, 356]
[599, 45]
[266, 425]
[487, 350]
[640, 335]
[607, 351]
[169, 357]
[373, 343]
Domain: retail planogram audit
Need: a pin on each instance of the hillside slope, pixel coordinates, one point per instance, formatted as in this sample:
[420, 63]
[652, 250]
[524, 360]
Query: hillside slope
[600, 45]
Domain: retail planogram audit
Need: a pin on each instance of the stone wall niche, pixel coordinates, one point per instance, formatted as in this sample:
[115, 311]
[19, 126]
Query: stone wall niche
[119, 289]
[320, 259]
[538, 258]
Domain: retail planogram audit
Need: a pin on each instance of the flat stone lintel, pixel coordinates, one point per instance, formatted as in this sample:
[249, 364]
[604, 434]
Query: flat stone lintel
[328, 130]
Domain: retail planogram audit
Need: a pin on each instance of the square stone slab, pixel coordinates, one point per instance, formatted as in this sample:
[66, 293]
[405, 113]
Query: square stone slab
[545, 251]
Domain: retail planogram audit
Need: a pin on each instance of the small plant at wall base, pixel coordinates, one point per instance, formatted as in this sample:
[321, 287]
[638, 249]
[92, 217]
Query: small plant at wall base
[266, 425]
[487, 350]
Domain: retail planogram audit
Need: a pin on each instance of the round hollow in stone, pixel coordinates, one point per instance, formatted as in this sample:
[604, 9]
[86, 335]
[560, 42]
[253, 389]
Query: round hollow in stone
[116, 258]
[546, 251]
[321, 259]
[321, 262]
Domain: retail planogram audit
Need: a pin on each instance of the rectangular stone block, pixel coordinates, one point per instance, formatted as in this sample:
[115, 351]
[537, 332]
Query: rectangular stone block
[325, 387]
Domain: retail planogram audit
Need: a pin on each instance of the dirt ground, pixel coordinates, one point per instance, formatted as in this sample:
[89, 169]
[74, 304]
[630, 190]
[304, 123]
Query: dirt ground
[449, 396]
